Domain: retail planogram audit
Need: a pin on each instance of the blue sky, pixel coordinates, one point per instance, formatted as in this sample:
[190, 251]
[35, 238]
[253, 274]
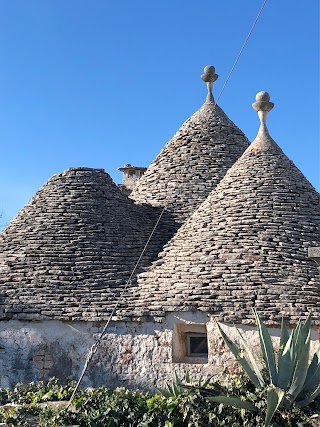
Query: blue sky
[101, 83]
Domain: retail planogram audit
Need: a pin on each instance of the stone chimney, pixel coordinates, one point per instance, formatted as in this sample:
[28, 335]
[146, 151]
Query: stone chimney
[131, 174]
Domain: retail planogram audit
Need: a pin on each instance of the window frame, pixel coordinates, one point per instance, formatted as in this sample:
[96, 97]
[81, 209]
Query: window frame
[180, 333]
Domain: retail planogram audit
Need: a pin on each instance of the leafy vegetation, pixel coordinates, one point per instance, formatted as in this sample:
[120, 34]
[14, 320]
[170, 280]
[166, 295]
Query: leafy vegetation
[270, 397]
[289, 380]
[104, 407]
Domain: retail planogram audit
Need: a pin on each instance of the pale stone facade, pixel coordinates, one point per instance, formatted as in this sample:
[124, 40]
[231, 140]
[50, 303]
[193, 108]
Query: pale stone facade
[131, 354]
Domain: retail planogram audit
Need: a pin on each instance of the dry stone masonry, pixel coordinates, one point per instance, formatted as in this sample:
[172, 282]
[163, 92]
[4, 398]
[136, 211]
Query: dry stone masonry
[193, 161]
[71, 250]
[247, 219]
[246, 245]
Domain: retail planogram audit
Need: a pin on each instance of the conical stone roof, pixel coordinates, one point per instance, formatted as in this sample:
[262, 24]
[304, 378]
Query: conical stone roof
[246, 245]
[71, 249]
[194, 161]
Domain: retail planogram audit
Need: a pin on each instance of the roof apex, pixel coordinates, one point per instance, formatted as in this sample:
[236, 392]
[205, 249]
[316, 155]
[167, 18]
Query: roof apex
[247, 244]
[194, 160]
[263, 140]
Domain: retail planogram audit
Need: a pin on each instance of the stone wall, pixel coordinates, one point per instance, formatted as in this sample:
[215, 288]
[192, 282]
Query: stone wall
[131, 354]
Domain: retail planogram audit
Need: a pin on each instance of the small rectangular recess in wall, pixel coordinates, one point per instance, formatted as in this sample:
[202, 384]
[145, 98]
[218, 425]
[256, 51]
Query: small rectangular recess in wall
[197, 344]
[190, 343]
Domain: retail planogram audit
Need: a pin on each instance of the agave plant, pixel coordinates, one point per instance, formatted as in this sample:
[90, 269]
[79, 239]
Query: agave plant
[290, 377]
[179, 386]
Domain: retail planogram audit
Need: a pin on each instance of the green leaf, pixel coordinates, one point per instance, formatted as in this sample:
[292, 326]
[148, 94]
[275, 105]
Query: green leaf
[300, 371]
[204, 385]
[310, 398]
[233, 401]
[305, 329]
[267, 349]
[283, 338]
[238, 354]
[274, 398]
[252, 359]
[164, 392]
[202, 390]
[286, 365]
[297, 342]
[178, 380]
[313, 374]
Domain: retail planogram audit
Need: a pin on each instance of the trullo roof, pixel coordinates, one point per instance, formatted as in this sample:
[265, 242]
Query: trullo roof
[246, 245]
[69, 252]
[194, 160]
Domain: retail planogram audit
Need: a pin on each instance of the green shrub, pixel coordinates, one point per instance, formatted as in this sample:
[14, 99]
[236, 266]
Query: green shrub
[103, 407]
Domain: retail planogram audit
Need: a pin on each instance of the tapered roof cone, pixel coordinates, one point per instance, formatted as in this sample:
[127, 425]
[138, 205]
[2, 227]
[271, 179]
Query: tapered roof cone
[71, 249]
[194, 161]
[246, 245]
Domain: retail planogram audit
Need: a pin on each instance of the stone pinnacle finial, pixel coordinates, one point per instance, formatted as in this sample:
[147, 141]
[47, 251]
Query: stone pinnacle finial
[209, 77]
[263, 106]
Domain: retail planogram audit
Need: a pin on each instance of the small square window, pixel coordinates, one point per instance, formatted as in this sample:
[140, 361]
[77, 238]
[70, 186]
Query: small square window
[197, 345]
[190, 343]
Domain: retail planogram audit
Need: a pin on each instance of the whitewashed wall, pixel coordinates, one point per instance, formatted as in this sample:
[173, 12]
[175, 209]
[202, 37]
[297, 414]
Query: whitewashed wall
[131, 354]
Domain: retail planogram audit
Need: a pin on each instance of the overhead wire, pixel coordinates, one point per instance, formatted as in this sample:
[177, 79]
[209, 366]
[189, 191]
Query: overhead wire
[96, 344]
[241, 50]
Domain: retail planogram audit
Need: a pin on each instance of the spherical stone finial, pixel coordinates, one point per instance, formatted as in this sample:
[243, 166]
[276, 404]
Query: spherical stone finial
[263, 106]
[209, 76]
[262, 96]
[263, 102]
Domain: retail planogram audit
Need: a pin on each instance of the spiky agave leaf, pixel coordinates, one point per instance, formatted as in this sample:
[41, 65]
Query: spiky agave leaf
[286, 364]
[283, 339]
[305, 328]
[238, 354]
[233, 401]
[203, 390]
[178, 380]
[274, 398]
[267, 349]
[313, 375]
[252, 359]
[300, 369]
[174, 389]
[302, 333]
[309, 398]
[296, 340]
[166, 393]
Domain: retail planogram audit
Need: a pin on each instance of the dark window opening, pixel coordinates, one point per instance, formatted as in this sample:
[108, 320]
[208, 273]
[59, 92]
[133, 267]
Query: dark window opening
[197, 344]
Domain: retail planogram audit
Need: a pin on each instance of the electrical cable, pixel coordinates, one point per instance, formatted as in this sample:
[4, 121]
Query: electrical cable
[95, 346]
[241, 50]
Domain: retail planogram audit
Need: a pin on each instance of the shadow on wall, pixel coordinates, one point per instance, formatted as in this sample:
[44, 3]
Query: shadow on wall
[23, 362]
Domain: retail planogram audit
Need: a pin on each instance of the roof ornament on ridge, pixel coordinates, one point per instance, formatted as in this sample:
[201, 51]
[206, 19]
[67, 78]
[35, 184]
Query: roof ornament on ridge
[209, 77]
[263, 106]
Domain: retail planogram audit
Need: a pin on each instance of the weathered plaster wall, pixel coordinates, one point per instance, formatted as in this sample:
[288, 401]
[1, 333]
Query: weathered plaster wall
[131, 354]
